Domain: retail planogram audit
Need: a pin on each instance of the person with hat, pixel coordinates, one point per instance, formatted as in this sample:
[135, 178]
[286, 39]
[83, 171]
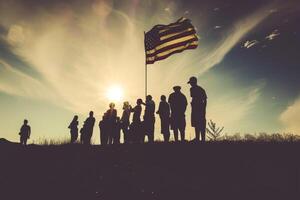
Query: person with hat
[198, 104]
[178, 104]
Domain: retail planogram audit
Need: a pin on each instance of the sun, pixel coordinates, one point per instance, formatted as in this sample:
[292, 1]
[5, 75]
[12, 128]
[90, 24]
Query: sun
[115, 93]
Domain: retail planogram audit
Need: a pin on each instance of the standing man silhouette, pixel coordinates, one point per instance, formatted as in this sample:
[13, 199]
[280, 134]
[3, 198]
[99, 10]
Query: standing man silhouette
[199, 101]
[135, 126]
[178, 104]
[149, 118]
[125, 120]
[164, 114]
[88, 128]
[74, 129]
[25, 132]
[103, 125]
[111, 120]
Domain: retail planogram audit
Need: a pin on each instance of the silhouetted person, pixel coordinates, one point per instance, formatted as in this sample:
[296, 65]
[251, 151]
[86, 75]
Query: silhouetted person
[117, 131]
[87, 129]
[125, 120]
[135, 126]
[25, 132]
[149, 118]
[164, 114]
[74, 129]
[111, 120]
[104, 130]
[178, 104]
[199, 101]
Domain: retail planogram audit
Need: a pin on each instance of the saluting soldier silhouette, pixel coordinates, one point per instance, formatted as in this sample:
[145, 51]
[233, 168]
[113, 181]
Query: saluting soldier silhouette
[125, 120]
[149, 118]
[135, 126]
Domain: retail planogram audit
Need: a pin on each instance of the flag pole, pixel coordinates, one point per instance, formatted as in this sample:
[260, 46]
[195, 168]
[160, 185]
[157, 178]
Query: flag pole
[145, 68]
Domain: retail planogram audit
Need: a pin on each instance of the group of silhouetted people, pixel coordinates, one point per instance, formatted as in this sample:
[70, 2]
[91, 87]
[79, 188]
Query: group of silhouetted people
[171, 113]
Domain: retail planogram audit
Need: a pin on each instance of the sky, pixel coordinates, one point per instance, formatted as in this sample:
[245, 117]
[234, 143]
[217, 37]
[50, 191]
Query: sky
[59, 58]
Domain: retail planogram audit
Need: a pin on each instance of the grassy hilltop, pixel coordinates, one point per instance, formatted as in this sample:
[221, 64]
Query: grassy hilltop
[218, 170]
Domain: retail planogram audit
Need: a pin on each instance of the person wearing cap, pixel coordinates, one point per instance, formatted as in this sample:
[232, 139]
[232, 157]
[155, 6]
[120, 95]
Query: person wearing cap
[149, 118]
[178, 104]
[198, 104]
[25, 132]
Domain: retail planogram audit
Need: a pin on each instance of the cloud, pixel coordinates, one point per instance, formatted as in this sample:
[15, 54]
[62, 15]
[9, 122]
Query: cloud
[27, 86]
[291, 117]
[230, 109]
[248, 44]
[273, 35]
[214, 54]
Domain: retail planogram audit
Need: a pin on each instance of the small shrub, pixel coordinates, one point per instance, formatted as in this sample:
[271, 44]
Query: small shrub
[214, 132]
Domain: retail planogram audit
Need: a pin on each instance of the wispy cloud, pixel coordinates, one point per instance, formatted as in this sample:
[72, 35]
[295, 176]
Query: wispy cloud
[231, 109]
[273, 35]
[291, 117]
[250, 43]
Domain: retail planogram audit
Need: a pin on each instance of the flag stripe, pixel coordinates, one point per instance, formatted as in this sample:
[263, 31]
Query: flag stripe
[172, 46]
[182, 39]
[178, 34]
[164, 55]
[178, 28]
[179, 22]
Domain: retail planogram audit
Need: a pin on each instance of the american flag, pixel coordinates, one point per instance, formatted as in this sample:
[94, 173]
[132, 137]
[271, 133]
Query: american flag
[164, 40]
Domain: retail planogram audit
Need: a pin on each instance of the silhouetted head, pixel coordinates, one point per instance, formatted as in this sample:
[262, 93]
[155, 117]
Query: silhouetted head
[75, 118]
[25, 121]
[192, 81]
[148, 98]
[163, 98]
[139, 101]
[126, 105]
[118, 119]
[91, 113]
[176, 88]
[112, 105]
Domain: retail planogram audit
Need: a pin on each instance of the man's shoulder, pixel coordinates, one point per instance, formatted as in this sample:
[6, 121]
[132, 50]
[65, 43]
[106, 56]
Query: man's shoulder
[199, 89]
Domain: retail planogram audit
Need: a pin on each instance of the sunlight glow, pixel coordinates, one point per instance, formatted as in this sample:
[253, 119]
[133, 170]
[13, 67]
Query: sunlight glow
[115, 93]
